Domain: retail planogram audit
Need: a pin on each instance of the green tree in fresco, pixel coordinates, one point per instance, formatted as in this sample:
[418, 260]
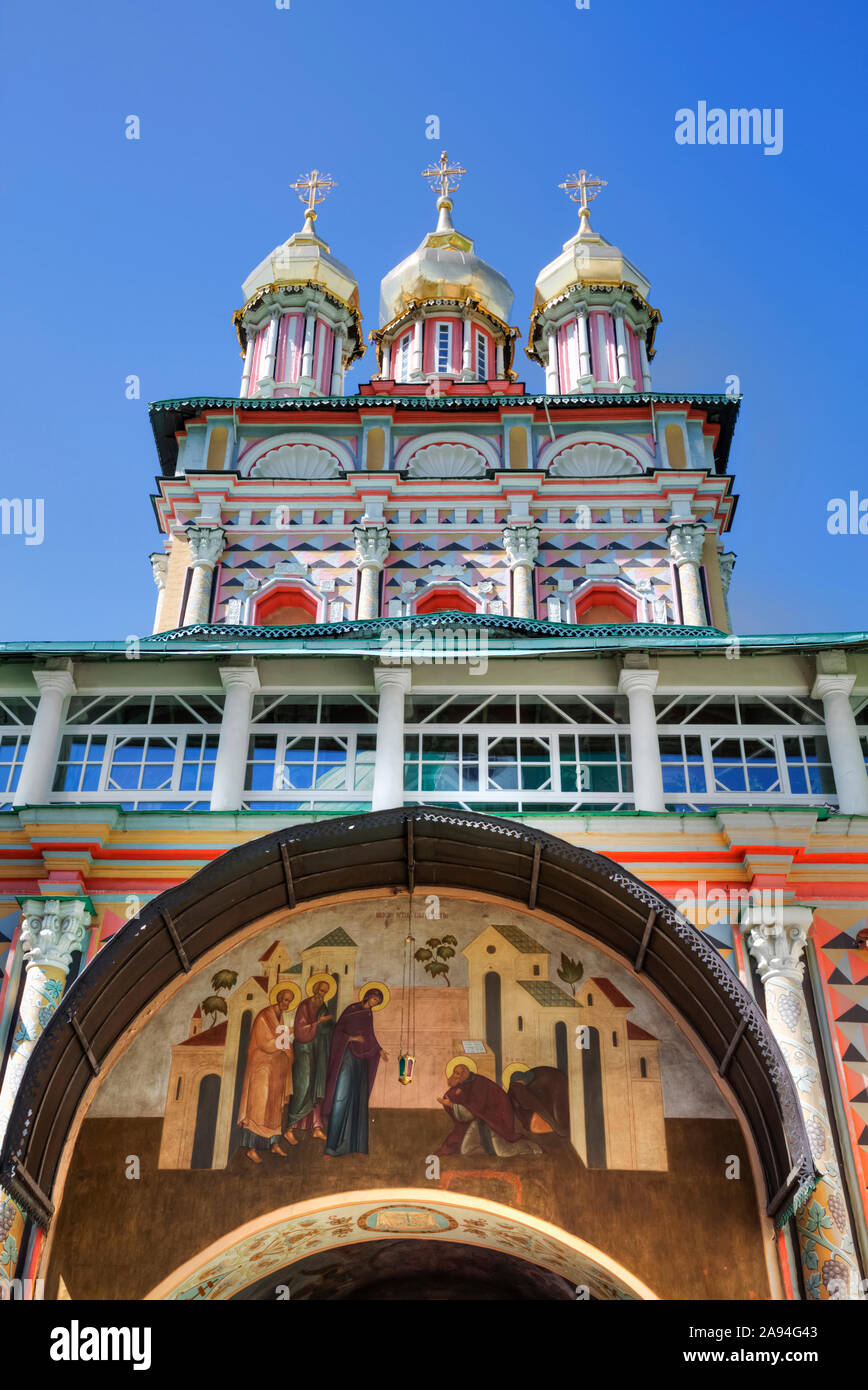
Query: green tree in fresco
[437, 953]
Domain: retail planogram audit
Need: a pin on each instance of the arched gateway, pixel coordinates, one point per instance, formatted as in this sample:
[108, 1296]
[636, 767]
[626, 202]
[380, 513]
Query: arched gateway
[246, 1040]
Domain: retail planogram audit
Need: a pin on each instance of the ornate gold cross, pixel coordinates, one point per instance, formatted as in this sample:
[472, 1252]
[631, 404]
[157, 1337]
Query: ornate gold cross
[443, 176]
[312, 188]
[582, 188]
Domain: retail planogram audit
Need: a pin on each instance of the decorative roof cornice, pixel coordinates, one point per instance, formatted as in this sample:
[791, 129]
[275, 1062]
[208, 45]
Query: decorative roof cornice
[169, 417]
[297, 287]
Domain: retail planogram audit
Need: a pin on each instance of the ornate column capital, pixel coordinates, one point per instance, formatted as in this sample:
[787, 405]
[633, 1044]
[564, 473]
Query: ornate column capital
[726, 560]
[392, 675]
[776, 939]
[160, 566]
[244, 674]
[832, 685]
[372, 546]
[55, 677]
[206, 544]
[632, 678]
[52, 929]
[686, 540]
[522, 545]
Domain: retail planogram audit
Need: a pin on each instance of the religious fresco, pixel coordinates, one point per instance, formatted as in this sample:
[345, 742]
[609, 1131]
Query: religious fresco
[469, 1050]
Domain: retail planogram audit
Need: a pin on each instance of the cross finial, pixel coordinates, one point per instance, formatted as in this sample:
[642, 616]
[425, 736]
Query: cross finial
[311, 189]
[443, 176]
[583, 189]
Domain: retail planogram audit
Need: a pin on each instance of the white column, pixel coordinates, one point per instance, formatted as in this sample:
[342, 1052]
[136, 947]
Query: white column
[845, 748]
[643, 358]
[392, 685]
[586, 371]
[418, 344]
[266, 379]
[639, 686]
[776, 937]
[160, 566]
[499, 361]
[552, 374]
[372, 548]
[685, 547]
[55, 684]
[521, 544]
[206, 546]
[386, 367]
[337, 386]
[240, 682]
[625, 375]
[248, 362]
[51, 930]
[307, 348]
[467, 349]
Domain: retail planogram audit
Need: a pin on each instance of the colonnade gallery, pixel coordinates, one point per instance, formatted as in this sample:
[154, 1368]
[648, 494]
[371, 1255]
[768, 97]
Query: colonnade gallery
[444, 892]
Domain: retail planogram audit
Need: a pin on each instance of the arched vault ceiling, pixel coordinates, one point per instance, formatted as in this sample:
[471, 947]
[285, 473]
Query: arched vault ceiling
[413, 847]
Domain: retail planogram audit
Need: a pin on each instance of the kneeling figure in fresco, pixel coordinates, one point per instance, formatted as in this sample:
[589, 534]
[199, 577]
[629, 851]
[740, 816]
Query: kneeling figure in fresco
[485, 1121]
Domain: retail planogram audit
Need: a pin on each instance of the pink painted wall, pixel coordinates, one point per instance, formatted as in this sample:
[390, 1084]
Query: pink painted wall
[325, 342]
[635, 361]
[611, 350]
[429, 359]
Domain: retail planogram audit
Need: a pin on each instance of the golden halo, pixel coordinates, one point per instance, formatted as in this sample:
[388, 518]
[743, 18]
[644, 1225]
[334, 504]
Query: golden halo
[384, 990]
[322, 975]
[283, 987]
[467, 1062]
[509, 1072]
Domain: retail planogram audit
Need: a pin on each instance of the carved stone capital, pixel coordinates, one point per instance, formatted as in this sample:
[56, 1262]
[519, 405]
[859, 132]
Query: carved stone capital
[776, 938]
[686, 542]
[206, 544]
[372, 546]
[521, 544]
[52, 929]
[160, 566]
[726, 560]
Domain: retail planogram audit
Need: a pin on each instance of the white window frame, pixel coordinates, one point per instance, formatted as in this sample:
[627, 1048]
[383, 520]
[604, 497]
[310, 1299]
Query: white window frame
[404, 347]
[481, 348]
[439, 328]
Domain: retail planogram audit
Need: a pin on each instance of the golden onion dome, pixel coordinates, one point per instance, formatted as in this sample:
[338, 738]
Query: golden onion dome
[445, 265]
[305, 258]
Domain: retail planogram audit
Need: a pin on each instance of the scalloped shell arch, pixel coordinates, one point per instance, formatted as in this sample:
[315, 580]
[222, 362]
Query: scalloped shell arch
[592, 461]
[296, 461]
[446, 461]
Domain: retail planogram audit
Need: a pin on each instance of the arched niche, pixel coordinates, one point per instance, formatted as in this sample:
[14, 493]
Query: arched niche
[456, 454]
[298, 456]
[595, 453]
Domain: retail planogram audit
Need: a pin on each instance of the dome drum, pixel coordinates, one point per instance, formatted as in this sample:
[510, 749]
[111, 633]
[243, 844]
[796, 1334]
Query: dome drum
[454, 339]
[594, 338]
[297, 340]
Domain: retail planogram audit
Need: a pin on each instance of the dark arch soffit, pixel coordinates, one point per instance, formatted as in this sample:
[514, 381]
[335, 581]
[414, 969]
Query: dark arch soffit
[399, 849]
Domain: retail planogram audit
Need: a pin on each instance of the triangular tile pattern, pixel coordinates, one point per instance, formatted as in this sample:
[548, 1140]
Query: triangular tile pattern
[845, 970]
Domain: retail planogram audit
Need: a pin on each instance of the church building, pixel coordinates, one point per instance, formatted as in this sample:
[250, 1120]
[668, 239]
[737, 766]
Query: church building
[442, 784]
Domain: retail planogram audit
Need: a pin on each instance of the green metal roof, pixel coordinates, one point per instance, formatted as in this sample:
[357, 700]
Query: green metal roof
[505, 637]
[169, 417]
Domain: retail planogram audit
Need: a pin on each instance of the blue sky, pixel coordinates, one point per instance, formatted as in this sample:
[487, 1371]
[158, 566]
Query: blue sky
[126, 257]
